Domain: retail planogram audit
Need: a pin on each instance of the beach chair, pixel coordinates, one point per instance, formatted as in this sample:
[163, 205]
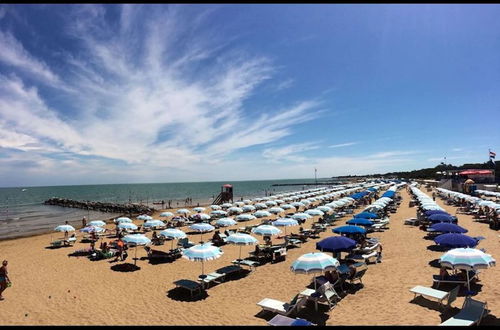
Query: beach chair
[283, 308]
[246, 262]
[438, 294]
[281, 320]
[437, 279]
[412, 222]
[214, 277]
[328, 293]
[471, 313]
[189, 285]
[185, 243]
[358, 275]
[229, 270]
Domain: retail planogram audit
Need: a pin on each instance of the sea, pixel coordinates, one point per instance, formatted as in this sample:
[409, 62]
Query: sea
[22, 212]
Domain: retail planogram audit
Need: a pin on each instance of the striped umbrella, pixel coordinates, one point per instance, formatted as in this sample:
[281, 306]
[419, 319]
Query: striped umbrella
[276, 210]
[226, 205]
[468, 259]
[219, 213]
[235, 209]
[123, 219]
[199, 209]
[325, 209]
[64, 228]
[136, 240]
[239, 204]
[285, 222]
[301, 216]
[127, 225]
[315, 212]
[266, 230]
[241, 239]
[173, 233]
[92, 229]
[261, 214]
[248, 208]
[97, 223]
[287, 206]
[154, 223]
[245, 217]
[202, 252]
[201, 216]
[260, 206]
[166, 214]
[202, 228]
[215, 207]
[145, 217]
[225, 222]
[183, 211]
[314, 263]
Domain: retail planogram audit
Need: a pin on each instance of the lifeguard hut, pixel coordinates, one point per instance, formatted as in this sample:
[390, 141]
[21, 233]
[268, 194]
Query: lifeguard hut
[225, 195]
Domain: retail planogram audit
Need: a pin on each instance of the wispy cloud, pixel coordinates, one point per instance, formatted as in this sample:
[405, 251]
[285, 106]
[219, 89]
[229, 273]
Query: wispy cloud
[289, 153]
[343, 145]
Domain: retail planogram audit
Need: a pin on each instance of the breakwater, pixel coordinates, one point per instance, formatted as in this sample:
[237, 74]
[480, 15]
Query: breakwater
[101, 206]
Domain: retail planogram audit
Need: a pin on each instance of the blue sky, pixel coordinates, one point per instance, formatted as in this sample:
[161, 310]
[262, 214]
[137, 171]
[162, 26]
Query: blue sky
[165, 93]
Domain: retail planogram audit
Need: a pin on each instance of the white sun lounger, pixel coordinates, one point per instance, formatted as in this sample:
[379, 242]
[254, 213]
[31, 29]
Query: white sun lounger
[438, 294]
[280, 307]
[471, 313]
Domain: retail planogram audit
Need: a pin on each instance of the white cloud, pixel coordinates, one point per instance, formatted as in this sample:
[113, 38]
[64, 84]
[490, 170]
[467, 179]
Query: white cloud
[343, 145]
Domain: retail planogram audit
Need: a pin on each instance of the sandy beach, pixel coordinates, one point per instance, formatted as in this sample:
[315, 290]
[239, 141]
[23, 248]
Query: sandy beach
[52, 288]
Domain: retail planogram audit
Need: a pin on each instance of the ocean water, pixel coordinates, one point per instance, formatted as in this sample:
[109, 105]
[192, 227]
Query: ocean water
[22, 212]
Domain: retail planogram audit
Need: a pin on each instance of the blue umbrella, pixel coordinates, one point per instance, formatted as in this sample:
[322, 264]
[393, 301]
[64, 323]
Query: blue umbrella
[456, 240]
[202, 252]
[241, 239]
[366, 215]
[349, 230]
[360, 221]
[448, 228]
[441, 218]
[336, 244]
[431, 212]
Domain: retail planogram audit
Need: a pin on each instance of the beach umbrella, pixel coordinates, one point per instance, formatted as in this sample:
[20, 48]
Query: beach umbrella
[97, 223]
[285, 222]
[215, 207]
[336, 244]
[239, 204]
[314, 263]
[247, 201]
[145, 217]
[276, 210]
[166, 214]
[154, 223]
[432, 212]
[235, 209]
[297, 205]
[199, 209]
[447, 228]
[366, 215]
[456, 240]
[92, 229]
[271, 203]
[241, 239]
[201, 216]
[183, 211]
[64, 228]
[136, 240]
[314, 212]
[301, 216]
[287, 206]
[260, 206]
[261, 214]
[225, 222]
[202, 252]
[202, 228]
[325, 209]
[441, 218]
[468, 259]
[349, 230]
[266, 230]
[123, 219]
[248, 208]
[245, 217]
[226, 205]
[127, 225]
[219, 213]
[279, 201]
[173, 233]
[360, 222]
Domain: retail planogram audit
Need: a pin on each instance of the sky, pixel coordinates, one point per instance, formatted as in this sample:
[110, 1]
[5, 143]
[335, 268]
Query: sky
[97, 94]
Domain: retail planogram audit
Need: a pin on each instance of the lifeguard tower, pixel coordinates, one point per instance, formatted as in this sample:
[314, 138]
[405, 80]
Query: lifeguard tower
[225, 195]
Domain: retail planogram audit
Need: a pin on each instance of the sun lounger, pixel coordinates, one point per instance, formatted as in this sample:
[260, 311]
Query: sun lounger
[438, 294]
[358, 275]
[471, 313]
[245, 262]
[281, 320]
[283, 308]
[454, 278]
[412, 222]
[189, 285]
[365, 257]
[211, 278]
[56, 243]
[229, 270]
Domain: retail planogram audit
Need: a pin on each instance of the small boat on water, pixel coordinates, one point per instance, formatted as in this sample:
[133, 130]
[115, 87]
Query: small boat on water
[24, 189]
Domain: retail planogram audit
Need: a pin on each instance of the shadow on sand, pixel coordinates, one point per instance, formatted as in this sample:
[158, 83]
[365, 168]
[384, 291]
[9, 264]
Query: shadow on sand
[126, 267]
[180, 294]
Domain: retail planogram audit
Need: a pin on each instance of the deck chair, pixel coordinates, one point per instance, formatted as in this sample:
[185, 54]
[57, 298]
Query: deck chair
[438, 294]
[328, 294]
[280, 320]
[185, 243]
[357, 276]
[471, 313]
[283, 308]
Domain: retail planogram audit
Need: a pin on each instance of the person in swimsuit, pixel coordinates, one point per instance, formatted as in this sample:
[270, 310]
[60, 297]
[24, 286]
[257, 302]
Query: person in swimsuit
[4, 278]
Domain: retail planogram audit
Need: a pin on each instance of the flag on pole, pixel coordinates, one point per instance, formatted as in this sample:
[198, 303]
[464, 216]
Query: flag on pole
[492, 154]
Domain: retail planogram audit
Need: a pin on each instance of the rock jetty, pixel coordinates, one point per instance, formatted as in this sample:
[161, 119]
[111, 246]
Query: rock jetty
[101, 206]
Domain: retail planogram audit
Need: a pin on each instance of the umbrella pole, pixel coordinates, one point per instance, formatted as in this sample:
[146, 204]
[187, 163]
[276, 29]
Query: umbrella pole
[202, 268]
[135, 259]
[172, 244]
[240, 254]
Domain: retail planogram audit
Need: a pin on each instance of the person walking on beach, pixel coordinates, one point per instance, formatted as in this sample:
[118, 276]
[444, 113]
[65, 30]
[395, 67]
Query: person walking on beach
[84, 222]
[379, 253]
[434, 196]
[4, 278]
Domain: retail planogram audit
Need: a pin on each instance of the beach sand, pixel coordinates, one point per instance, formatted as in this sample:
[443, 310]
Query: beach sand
[51, 288]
